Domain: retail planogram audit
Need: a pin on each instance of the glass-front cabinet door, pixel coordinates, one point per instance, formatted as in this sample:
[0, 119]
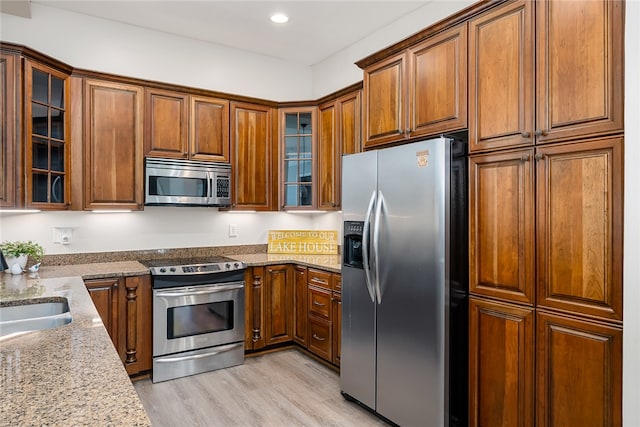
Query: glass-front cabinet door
[299, 153]
[47, 134]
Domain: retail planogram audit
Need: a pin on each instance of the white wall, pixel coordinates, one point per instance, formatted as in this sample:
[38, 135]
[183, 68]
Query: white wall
[100, 45]
[339, 70]
[156, 228]
[631, 332]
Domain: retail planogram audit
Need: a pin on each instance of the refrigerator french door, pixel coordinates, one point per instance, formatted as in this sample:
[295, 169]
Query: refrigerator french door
[405, 297]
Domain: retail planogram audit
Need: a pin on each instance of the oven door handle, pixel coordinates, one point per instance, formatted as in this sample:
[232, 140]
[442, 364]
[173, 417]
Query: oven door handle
[200, 290]
[220, 349]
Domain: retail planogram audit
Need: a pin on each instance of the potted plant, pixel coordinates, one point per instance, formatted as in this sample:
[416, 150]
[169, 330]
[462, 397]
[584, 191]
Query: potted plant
[19, 252]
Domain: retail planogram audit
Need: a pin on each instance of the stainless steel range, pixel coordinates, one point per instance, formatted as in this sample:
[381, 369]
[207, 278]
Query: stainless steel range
[198, 315]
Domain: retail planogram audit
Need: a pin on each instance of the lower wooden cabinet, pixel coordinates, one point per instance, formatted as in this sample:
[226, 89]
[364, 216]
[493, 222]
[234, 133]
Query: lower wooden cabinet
[125, 307]
[287, 303]
[579, 372]
[501, 364]
[300, 317]
[278, 304]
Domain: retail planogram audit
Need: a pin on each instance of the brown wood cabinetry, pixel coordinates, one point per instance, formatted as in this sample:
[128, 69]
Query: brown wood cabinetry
[293, 303]
[113, 160]
[417, 92]
[501, 362]
[278, 304]
[105, 295]
[579, 370]
[501, 226]
[125, 307]
[501, 77]
[300, 315]
[579, 223]
[166, 123]
[10, 84]
[573, 84]
[338, 134]
[328, 158]
[47, 152]
[253, 157]
[181, 125]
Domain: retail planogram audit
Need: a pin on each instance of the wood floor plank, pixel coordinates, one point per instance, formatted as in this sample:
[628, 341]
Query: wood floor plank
[284, 388]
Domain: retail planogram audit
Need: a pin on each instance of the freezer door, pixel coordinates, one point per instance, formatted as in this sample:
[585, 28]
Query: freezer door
[358, 346]
[411, 315]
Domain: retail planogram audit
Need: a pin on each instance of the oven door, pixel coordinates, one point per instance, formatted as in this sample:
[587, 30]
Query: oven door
[195, 317]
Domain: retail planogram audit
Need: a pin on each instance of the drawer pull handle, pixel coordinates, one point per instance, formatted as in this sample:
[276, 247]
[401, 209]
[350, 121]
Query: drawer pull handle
[315, 337]
[316, 279]
[319, 304]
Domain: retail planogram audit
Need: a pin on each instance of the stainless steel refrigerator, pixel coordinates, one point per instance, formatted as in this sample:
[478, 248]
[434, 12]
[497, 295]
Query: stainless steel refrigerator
[404, 282]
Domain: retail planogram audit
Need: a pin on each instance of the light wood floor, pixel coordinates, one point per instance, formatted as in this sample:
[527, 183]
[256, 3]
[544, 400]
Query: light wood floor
[284, 388]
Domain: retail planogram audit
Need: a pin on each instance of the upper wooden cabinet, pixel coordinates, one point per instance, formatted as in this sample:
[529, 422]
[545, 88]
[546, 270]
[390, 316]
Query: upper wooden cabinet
[47, 147]
[328, 163]
[113, 161]
[10, 182]
[253, 157]
[417, 92]
[298, 133]
[579, 226]
[579, 68]
[349, 108]
[501, 77]
[573, 85]
[186, 126]
[166, 124]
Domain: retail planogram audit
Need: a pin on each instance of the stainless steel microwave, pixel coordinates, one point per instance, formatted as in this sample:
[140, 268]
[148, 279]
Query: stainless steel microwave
[174, 182]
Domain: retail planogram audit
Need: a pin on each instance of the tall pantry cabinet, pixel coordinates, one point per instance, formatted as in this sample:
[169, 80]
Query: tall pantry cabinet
[546, 202]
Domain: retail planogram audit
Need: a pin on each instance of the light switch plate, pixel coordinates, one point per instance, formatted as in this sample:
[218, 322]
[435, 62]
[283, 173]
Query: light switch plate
[233, 230]
[62, 235]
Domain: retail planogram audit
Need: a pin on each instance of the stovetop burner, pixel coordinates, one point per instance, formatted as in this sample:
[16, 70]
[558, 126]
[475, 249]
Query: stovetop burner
[185, 266]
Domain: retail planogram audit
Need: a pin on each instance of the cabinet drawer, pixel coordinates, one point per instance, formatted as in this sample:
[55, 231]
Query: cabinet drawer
[320, 337]
[320, 278]
[319, 302]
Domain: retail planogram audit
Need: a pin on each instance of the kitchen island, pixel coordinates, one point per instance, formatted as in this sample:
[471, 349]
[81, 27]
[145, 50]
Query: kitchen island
[69, 375]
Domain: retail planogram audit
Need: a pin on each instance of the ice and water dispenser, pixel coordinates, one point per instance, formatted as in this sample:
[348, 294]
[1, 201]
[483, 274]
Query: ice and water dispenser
[352, 248]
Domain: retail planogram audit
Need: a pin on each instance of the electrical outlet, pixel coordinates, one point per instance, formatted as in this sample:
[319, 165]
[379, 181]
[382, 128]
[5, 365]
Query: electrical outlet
[62, 235]
[233, 230]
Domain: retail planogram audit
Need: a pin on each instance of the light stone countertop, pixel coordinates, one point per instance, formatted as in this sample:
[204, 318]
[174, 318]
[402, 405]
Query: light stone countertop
[69, 375]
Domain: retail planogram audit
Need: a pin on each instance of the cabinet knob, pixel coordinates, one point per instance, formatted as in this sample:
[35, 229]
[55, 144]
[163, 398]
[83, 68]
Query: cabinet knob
[540, 132]
[525, 157]
[538, 156]
[526, 134]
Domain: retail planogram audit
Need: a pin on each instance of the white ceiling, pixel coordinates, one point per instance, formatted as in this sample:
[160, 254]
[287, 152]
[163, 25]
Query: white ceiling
[315, 31]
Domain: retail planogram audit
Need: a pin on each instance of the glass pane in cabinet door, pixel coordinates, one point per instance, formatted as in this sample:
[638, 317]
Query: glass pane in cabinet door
[305, 171]
[40, 86]
[305, 149]
[57, 92]
[291, 170]
[57, 124]
[291, 124]
[39, 118]
[291, 146]
[305, 195]
[57, 188]
[291, 194]
[40, 154]
[40, 187]
[305, 123]
[57, 157]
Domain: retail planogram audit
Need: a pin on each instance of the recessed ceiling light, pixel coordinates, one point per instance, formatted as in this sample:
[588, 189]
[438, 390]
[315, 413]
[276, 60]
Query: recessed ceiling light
[279, 18]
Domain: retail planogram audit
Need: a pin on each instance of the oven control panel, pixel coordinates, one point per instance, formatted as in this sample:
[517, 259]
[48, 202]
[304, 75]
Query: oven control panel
[174, 270]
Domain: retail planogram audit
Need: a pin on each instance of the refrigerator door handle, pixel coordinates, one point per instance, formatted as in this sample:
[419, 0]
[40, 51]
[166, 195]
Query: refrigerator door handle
[365, 246]
[376, 245]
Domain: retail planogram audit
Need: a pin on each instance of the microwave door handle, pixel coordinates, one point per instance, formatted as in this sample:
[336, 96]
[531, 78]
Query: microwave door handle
[209, 187]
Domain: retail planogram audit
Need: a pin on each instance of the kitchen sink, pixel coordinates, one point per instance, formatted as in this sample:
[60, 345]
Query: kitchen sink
[34, 316]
